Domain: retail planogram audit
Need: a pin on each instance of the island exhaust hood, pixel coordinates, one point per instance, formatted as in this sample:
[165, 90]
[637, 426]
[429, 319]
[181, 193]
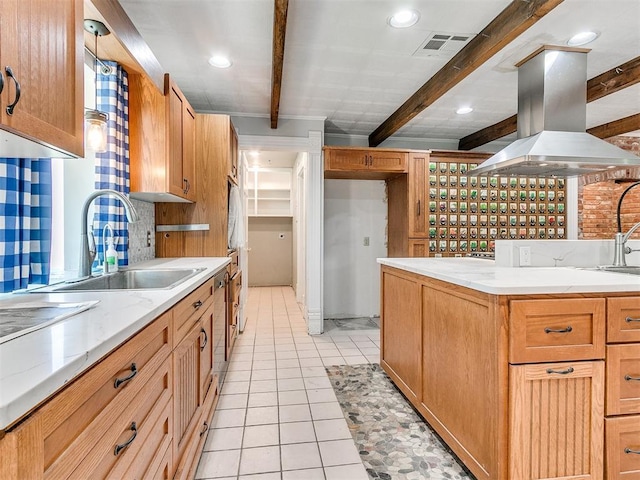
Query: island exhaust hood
[552, 90]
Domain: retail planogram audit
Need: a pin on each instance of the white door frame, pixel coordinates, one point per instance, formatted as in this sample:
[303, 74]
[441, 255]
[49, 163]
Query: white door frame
[300, 226]
[314, 213]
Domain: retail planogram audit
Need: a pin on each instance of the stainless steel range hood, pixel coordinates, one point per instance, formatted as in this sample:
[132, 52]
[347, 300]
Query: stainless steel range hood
[552, 89]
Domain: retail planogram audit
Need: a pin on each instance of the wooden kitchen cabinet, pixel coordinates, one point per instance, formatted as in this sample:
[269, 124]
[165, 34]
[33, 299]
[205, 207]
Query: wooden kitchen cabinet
[233, 307]
[372, 163]
[162, 142]
[418, 195]
[233, 153]
[556, 420]
[49, 68]
[511, 402]
[143, 411]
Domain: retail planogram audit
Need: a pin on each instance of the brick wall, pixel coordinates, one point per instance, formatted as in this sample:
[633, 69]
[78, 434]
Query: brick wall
[597, 201]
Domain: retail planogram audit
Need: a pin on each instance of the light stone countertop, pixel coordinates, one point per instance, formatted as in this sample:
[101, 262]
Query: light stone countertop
[484, 276]
[35, 365]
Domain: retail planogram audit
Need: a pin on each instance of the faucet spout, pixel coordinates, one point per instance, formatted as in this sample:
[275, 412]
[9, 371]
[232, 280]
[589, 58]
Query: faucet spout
[87, 253]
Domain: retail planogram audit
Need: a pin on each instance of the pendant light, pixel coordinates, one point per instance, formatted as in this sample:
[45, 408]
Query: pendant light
[95, 120]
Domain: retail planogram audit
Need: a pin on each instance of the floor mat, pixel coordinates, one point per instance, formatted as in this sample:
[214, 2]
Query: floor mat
[393, 440]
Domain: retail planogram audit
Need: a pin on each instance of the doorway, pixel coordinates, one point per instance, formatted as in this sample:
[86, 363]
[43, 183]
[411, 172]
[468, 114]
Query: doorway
[275, 217]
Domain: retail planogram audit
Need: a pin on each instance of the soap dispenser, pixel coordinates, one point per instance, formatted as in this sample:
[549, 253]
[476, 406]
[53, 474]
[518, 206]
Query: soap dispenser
[110, 253]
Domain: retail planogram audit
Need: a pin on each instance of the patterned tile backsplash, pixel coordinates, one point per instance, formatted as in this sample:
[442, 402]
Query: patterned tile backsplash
[138, 249]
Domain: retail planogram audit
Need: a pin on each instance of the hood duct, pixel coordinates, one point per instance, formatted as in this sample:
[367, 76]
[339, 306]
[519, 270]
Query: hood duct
[552, 90]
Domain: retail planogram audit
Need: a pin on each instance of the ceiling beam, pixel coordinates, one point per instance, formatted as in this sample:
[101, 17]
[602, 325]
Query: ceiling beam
[606, 83]
[617, 127]
[279, 32]
[511, 22]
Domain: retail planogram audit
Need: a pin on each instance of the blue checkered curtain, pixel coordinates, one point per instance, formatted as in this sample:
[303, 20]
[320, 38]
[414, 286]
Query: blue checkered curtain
[25, 216]
[112, 167]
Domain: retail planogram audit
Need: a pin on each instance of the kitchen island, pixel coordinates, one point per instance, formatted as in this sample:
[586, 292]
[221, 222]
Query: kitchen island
[74, 395]
[508, 364]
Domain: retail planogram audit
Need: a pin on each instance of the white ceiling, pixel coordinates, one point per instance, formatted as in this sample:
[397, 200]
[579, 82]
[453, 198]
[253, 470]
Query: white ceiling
[343, 61]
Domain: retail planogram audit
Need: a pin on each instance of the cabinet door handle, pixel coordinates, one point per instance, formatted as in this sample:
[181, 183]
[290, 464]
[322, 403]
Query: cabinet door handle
[635, 452]
[197, 304]
[418, 207]
[120, 381]
[629, 378]
[563, 330]
[16, 99]
[124, 445]
[205, 427]
[631, 319]
[206, 339]
[1, 82]
[560, 372]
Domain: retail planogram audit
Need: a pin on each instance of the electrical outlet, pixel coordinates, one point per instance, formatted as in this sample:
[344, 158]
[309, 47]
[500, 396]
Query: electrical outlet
[366, 241]
[525, 256]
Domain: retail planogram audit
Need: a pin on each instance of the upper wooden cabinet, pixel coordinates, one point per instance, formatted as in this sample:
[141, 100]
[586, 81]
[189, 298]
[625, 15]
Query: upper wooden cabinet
[162, 142]
[42, 81]
[233, 153]
[181, 120]
[355, 163]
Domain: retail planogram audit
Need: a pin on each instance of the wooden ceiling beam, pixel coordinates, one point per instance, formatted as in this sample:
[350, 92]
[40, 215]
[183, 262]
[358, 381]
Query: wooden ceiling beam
[606, 83]
[617, 127]
[279, 33]
[511, 22]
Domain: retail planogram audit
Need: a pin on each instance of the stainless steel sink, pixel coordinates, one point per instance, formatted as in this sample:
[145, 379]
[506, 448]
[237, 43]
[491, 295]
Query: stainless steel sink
[151, 279]
[629, 269]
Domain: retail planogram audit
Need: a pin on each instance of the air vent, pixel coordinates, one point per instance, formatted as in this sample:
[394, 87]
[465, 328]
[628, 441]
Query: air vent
[443, 45]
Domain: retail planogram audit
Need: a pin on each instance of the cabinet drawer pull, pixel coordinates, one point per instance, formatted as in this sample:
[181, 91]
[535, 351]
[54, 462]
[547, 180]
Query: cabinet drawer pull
[124, 445]
[560, 372]
[418, 207]
[631, 319]
[635, 452]
[206, 339]
[197, 304]
[563, 330]
[629, 378]
[120, 381]
[205, 427]
[16, 99]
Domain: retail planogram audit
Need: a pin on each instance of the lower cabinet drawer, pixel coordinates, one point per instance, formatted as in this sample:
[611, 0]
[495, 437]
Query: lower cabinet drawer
[117, 380]
[622, 460]
[623, 379]
[122, 440]
[556, 330]
[623, 319]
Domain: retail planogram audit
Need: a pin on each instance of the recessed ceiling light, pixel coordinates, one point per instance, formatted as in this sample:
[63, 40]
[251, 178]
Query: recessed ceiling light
[404, 19]
[582, 38]
[464, 110]
[220, 61]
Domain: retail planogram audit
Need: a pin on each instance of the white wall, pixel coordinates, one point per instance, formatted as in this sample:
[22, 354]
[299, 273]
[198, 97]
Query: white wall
[353, 209]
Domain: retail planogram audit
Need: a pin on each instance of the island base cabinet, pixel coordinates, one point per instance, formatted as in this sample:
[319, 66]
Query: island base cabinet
[623, 448]
[556, 421]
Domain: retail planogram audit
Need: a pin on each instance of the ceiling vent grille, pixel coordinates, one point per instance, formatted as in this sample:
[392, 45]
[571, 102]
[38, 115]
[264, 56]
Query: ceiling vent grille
[443, 45]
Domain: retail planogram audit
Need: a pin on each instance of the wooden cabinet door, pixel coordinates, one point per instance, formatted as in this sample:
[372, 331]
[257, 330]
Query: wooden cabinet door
[176, 180]
[384, 161]
[418, 247]
[42, 45]
[186, 390]
[418, 208]
[189, 151]
[349, 160]
[401, 333]
[556, 418]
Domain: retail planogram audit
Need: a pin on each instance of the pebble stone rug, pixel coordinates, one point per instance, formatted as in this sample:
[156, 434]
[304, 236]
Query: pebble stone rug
[393, 440]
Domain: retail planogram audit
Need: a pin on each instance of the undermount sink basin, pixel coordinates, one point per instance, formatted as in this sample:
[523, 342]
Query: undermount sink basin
[629, 269]
[128, 280]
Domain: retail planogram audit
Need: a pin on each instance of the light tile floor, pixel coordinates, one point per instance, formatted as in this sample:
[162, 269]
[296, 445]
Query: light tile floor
[278, 417]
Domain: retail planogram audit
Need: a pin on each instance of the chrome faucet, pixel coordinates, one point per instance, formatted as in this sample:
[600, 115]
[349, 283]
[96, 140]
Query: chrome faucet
[620, 239]
[88, 248]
